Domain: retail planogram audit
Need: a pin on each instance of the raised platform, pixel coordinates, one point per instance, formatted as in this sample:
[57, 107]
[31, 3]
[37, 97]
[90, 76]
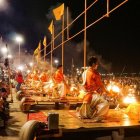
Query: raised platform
[117, 126]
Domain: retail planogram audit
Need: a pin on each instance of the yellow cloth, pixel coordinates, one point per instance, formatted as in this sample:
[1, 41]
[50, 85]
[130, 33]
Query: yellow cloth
[58, 12]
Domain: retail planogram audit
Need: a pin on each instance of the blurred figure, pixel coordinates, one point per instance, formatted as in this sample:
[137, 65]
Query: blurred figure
[4, 105]
[35, 75]
[19, 79]
[4, 90]
[44, 77]
[60, 82]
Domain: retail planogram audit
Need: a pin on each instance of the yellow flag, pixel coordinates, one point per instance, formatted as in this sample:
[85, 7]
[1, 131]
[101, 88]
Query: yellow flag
[39, 51]
[39, 48]
[36, 51]
[51, 27]
[45, 41]
[39, 45]
[58, 12]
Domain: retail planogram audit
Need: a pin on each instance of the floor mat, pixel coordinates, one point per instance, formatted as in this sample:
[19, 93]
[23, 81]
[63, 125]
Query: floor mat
[39, 116]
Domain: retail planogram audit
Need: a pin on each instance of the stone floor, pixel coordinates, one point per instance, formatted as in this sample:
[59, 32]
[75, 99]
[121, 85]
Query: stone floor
[17, 119]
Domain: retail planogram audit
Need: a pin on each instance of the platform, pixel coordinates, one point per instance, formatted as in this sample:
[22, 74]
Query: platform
[116, 124]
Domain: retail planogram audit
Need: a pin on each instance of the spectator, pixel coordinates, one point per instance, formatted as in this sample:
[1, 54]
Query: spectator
[19, 79]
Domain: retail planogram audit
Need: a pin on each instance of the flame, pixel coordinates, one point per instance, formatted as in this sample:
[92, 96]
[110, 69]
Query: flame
[73, 88]
[28, 71]
[81, 94]
[113, 87]
[129, 99]
[51, 83]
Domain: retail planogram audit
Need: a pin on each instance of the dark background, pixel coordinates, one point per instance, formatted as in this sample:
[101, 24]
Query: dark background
[115, 40]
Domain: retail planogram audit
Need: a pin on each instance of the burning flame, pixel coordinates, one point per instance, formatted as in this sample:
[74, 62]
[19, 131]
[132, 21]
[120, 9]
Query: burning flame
[51, 83]
[82, 93]
[73, 88]
[129, 99]
[113, 87]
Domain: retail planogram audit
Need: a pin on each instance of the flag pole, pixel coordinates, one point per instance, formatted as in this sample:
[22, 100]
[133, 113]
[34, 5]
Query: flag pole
[63, 41]
[53, 35]
[51, 52]
[52, 48]
[107, 8]
[67, 22]
[52, 40]
[44, 52]
[85, 24]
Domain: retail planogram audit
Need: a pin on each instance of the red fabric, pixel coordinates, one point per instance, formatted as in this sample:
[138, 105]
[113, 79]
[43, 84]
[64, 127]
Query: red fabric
[87, 98]
[44, 77]
[19, 78]
[58, 76]
[39, 116]
[93, 81]
[35, 77]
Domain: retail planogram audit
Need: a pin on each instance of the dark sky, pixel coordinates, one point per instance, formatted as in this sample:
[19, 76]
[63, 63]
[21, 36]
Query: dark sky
[115, 40]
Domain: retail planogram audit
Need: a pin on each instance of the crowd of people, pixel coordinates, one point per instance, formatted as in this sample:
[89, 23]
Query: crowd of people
[4, 104]
[95, 87]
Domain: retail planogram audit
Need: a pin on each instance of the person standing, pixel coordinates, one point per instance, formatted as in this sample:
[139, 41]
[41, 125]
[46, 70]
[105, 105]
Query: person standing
[19, 79]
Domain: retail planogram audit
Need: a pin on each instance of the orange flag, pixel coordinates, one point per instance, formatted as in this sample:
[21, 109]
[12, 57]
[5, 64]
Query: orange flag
[36, 51]
[45, 41]
[51, 27]
[58, 12]
[45, 45]
[39, 51]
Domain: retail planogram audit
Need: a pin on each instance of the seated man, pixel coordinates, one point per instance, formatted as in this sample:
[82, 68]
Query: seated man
[44, 77]
[60, 82]
[94, 88]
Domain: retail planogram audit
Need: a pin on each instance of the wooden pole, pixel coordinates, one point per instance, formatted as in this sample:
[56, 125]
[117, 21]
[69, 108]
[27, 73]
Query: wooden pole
[44, 52]
[67, 22]
[107, 8]
[53, 35]
[51, 53]
[63, 41]
[85, 24]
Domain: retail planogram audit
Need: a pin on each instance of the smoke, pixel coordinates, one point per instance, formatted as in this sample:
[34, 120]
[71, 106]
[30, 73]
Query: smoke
[103, 65]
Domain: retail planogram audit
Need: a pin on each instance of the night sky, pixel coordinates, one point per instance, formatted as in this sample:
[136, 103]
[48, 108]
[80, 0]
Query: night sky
[115, 40]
